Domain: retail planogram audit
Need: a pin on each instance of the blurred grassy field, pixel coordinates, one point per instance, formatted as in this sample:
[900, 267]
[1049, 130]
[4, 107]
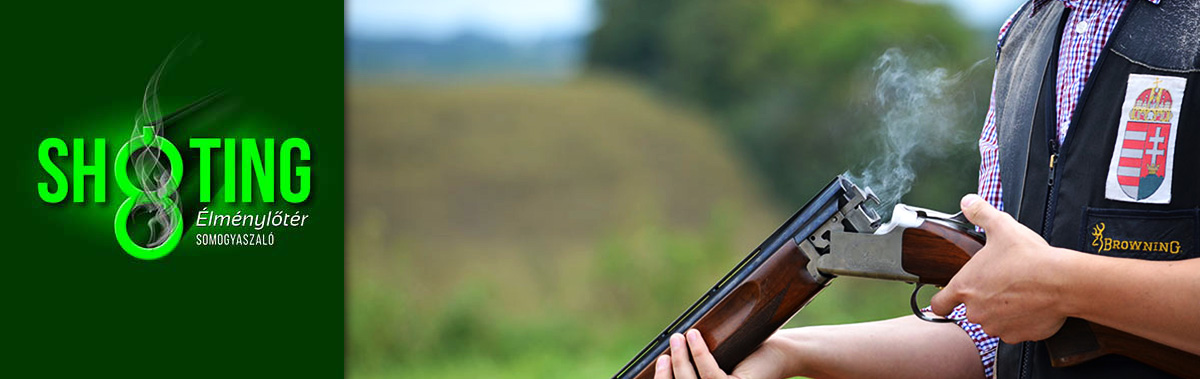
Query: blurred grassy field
[543, 231]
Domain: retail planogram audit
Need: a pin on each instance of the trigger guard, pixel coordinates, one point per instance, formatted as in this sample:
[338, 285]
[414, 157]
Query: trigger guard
[912, 301]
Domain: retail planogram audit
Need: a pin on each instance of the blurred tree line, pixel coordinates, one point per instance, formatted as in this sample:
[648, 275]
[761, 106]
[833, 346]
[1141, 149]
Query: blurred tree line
[791, 82]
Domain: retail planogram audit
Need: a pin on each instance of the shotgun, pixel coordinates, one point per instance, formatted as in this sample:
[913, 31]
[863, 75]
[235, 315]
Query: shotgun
[839, 233]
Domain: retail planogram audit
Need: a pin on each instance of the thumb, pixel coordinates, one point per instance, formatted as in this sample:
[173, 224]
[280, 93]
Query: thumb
[979, 212]
[945, 301]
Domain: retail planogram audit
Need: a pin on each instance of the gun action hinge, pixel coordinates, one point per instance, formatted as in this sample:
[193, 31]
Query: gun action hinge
[856, 216]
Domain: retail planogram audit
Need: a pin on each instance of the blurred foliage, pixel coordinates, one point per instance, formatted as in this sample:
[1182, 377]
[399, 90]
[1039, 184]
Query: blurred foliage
[791, 81]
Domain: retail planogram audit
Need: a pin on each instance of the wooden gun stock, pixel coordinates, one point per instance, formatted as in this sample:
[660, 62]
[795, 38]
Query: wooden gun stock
[935, 252]
[756, 308]
[759, 306]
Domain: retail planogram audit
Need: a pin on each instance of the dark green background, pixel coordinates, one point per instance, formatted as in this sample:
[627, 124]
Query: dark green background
[74, 303]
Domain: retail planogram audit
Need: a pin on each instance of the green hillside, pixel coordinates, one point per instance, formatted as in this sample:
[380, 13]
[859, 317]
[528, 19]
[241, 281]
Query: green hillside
[538, 230]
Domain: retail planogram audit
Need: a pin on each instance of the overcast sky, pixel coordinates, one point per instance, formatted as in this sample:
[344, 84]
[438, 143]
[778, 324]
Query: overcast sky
[514, 20]
[530, 20]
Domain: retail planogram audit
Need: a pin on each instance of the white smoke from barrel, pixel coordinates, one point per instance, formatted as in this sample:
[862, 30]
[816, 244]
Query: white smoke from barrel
[919, 110]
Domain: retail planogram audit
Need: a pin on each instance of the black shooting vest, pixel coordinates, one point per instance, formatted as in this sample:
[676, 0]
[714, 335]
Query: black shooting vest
[1068, 204]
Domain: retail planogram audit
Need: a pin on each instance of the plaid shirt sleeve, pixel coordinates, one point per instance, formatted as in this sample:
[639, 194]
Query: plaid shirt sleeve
[989, 154]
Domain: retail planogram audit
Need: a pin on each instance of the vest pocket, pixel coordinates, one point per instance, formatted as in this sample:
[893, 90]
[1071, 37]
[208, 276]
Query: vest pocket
[1141, 234]
[1164, 65]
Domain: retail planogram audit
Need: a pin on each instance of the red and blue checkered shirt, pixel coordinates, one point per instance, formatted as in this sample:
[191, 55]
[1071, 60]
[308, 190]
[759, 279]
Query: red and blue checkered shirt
[1085, 34]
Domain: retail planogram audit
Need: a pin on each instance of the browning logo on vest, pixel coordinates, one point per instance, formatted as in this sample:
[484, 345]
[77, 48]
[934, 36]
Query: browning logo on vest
[1144, 156]
[1141, 234]
[1103, 244]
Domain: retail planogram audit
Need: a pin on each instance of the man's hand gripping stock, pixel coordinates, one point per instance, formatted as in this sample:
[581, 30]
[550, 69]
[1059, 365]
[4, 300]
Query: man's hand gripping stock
[1011, 287]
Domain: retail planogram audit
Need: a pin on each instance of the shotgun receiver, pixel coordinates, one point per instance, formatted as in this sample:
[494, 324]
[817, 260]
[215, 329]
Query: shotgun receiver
[839, 233]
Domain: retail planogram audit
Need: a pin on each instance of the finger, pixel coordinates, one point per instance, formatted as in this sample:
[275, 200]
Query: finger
[680, 360]
[662, 367]
[979, 212]
[705, 363]
[945, 300]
